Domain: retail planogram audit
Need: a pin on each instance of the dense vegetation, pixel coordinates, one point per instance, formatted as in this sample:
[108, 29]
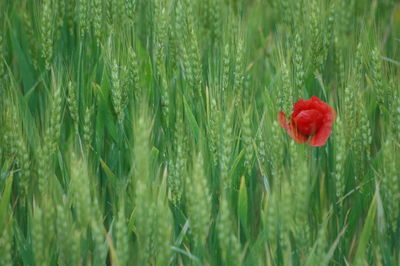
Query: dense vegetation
[145, 132]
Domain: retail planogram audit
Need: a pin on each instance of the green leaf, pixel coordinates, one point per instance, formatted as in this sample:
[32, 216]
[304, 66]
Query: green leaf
[24, 67]
[366, 233]
[110, 175]
[192, 120]
[4, 201]
[236, 162]
[243, 203]
[131, 222]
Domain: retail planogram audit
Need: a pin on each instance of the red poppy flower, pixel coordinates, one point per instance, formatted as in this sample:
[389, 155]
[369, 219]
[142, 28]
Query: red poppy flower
[311, 120]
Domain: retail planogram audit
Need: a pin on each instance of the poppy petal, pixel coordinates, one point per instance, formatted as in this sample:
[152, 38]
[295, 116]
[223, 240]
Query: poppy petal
[308, 121]
[301, 105]
[325, 130]
[282, 120]
[321, 106]
[320, 138]
[296, 135]
[291, 129]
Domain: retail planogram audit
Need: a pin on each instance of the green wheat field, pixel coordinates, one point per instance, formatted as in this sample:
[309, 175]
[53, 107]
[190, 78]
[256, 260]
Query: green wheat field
[146, 132]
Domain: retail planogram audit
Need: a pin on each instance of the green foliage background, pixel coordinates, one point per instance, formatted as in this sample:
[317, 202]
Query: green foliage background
[144, 132]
